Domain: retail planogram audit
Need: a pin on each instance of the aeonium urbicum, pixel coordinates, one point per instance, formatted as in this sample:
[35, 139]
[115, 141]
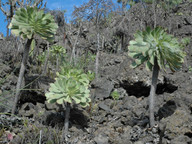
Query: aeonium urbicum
[71, 86]
[68, 90]
[158, 50]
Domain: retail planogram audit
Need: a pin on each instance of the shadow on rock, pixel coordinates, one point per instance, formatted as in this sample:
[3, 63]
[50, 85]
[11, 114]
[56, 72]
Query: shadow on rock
[167, 109]
[77, 117]
[140, 89]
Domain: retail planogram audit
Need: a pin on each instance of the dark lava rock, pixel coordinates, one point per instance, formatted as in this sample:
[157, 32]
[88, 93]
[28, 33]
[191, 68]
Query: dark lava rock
[102, 88]
[182, 139]
[103, 106]
[178, 124]
[101, 139]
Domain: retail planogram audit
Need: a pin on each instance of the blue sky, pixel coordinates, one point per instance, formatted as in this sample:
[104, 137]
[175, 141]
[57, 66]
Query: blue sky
[51, 4]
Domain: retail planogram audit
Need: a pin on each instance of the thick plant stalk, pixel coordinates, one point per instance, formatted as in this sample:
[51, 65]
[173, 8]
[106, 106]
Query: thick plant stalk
[122, 43]
[97, 58]
[152, 92]
[36, 50]
[154, 13]
[66, 124]
[21, 73]
[7, 28]
[57, 64]
[46, 60]
[144, 11]
[169, 18]
[40, 137]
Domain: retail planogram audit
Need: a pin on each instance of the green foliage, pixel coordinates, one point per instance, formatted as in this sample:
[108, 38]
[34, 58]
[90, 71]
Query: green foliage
[109, 18]
[77, 74]
[71, 86]
[68, 90]
[190, 69]
[166, 4]
[115, 95]
[185, 41]
[131, 3]
[29, 21]
[58, 53]
[156, 43]
[33, 43]
[83, 61]
[41, 57]
[179, 13]
[57, 49]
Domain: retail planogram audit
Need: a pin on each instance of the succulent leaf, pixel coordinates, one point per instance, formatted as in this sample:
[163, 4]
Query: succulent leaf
[29, 21]
[57, 49]
[153, 43]
[68, 90]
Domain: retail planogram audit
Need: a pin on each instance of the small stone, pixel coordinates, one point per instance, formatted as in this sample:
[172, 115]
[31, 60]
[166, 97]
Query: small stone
[139, 142]
[100, 139]
[49, 106]
[104, 107]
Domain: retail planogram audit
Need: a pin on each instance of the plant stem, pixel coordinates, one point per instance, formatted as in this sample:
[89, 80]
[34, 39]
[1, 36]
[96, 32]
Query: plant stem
[152, 92]
[154, 13]
[97, 58]
[40, 137]
[46, 60]
[21, 73]
[66, 124]
[57, 64]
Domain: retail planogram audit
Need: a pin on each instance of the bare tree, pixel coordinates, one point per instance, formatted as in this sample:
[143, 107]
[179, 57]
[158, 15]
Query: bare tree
[96, 12]
[74, 46]
[124, 4]
[8, 13]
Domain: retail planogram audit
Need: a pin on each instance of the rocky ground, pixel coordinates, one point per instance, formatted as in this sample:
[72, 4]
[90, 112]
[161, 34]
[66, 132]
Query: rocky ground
[122, 121]
[106, 121]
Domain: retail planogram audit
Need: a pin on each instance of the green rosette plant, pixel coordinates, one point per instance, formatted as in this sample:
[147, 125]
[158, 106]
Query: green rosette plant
[29, 21]
[71, 86]
[115, 95]
[68, 70]
[68, 90]
[26, 23]
[156, 43]
[157, 50]
[57, 49]
[58, 52]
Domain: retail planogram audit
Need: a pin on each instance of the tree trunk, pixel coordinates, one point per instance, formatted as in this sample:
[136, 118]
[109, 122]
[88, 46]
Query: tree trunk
[21, 73]
[7, 28]
[123, 6]
[152, 92]
[74, 46]
[66, 124]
